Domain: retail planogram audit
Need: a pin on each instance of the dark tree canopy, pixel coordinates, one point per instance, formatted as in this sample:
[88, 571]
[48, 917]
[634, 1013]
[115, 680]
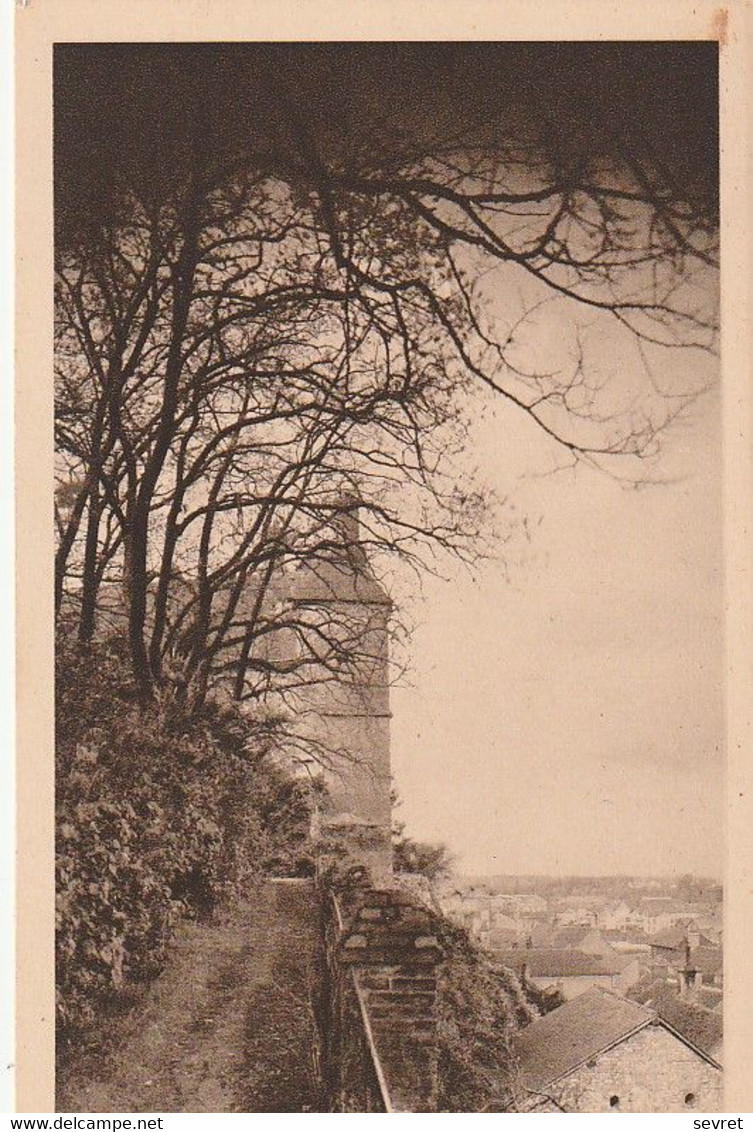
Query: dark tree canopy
[122, 110]
[283, 270]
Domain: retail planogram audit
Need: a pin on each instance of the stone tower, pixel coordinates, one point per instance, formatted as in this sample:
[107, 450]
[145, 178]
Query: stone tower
[350, 717]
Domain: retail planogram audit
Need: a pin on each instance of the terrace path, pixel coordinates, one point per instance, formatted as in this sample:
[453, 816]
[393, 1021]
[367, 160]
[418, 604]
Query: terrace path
[227, 1026]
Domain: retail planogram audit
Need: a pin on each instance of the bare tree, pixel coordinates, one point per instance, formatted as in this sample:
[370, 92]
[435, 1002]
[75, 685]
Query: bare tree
[272, 318]
[216, 444]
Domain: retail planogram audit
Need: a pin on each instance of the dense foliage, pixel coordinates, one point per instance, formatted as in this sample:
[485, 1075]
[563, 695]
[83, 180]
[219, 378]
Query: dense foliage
[158, 817]
[480, 1009]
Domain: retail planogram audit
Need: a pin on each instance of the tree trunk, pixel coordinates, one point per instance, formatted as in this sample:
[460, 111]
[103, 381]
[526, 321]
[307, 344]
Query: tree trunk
[89, 582]
[183, 275]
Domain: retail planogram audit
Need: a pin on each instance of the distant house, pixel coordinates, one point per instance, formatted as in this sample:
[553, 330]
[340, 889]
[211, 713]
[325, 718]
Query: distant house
[614, 915]
[675, 946]
[570, 972]
[710, 930]
[576, 937]
[542, 935]
[578, 914]
[709, 962]
[685, 984]
[482, 911]
[627, 940]
[503, 939]
[466, 906]
[604, 1053]
[519, 904]
[694, 974]
[505, 933]
[662, 913]
[502, 922]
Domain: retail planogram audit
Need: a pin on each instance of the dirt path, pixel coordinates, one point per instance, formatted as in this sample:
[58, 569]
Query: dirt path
[228, 1026]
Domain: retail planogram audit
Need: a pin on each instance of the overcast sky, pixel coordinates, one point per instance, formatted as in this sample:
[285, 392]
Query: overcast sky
[569, 720]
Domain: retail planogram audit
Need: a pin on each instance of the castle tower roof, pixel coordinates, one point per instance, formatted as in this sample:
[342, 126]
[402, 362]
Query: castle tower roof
[344, 574]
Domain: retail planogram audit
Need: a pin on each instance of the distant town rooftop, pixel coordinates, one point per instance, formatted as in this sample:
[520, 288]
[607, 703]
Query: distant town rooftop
[560, 963]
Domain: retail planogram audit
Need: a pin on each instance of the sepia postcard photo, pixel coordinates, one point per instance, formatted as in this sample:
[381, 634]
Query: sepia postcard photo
[383, 478]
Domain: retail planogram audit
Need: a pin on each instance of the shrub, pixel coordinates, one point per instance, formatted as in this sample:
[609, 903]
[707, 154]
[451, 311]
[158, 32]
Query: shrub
[480, 1009]
[159, 816]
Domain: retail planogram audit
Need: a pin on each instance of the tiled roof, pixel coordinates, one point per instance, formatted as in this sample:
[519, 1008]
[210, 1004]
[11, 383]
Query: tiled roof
[649, 988]
[574, 1033]
[702, 1027]
[652, 991]
[629, 933]
[555, 935]
[675, 938]
[711, 997]
[570, 936]
[504, 939]
[708, 960]
[672, 938]
[341, 581]
[505, 923]
[542, 935]
[560, 963]
[667, 904]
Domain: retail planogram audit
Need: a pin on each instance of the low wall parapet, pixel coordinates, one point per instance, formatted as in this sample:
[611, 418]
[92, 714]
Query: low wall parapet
[382, 955]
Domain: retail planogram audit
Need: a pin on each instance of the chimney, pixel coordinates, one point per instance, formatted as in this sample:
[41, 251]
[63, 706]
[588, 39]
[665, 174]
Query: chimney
[689, 982]
[694, 936]
[689, 976]
[346, 524]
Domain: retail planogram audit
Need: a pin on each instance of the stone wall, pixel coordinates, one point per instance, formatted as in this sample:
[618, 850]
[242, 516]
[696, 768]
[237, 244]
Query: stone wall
[380, 1009]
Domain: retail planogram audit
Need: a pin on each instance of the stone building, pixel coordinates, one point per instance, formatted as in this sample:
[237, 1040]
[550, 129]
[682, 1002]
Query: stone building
[347, 718]
[571, 972]
[604, 1053]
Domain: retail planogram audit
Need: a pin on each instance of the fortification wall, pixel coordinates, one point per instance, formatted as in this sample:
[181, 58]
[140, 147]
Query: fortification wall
[381, 1005]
